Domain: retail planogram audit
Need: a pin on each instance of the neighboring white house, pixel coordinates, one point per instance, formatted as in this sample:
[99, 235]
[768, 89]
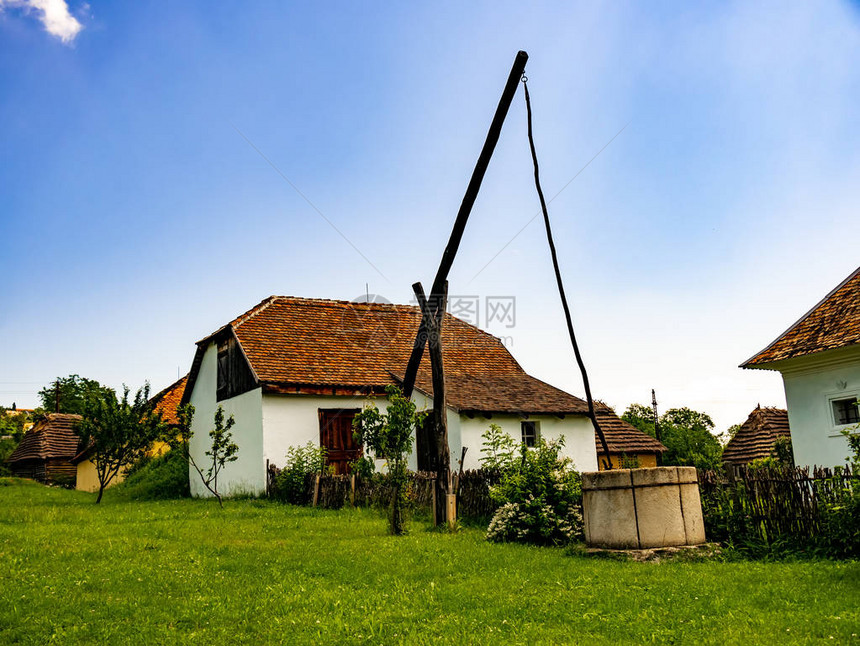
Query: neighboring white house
[293, 370]
[819, 358]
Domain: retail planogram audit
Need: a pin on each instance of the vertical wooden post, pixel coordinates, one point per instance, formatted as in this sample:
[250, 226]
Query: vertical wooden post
[433, 314]
[452, 510]
[352, 490]
[316, 489]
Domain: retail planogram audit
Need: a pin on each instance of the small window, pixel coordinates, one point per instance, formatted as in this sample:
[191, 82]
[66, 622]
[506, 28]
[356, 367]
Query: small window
[531, 433]
[845, 411]
[223, 369]
[629, 461]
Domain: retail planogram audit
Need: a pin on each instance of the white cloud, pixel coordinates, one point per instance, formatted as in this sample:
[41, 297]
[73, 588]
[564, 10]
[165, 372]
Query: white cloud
[53, 14]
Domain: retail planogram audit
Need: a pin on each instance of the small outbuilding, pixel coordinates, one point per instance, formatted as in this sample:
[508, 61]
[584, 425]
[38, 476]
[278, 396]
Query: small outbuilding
[46, 450]
[629, 448]
[756, 437]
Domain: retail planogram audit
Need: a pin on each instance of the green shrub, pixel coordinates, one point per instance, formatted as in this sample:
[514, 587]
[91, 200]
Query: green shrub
[290, 481]
[840, 522]
[6, 447]
[160, 478]
[539, 494]
[363, 468]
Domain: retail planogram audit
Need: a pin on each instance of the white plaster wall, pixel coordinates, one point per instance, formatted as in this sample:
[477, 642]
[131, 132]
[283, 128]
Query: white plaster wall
[814, 435]
[577, 430]
[293, 420]
[247, 474]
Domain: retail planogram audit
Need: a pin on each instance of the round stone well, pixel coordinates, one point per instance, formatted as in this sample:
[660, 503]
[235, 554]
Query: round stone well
[642, 508]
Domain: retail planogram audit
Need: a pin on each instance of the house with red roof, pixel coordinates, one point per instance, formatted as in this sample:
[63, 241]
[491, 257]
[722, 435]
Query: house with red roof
[297, 370]
[819, 359]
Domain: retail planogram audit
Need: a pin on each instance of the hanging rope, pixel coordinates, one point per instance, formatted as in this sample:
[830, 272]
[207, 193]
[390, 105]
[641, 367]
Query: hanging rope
[607, 462]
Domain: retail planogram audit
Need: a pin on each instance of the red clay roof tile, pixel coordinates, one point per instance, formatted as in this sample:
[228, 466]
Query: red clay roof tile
[167, 401]
[833, 323]
[290, 340]
[622, 437]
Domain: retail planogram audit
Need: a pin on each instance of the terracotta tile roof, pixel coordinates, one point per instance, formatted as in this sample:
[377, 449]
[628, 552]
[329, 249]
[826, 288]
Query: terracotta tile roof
[622, 437]
[756, 436]
[515, 394]
[290, 340]
[51, 437]
[167, 400]
[833, 323]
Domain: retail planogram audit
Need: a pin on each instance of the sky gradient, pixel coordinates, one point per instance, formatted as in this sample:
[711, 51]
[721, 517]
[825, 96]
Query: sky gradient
[139, 212]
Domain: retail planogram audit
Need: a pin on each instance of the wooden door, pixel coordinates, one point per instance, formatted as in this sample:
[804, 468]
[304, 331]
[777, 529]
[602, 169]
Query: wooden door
[336, 435]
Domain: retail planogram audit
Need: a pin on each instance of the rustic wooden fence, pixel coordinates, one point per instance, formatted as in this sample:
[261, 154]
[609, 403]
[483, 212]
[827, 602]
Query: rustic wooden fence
[337, 491]
[768, 504]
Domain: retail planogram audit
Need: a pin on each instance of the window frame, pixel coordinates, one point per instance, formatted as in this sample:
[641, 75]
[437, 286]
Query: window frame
[534, 435]
[838, 399]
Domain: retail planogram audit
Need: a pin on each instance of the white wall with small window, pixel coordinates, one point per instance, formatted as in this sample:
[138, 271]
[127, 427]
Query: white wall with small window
[577, 430]
[820, 396]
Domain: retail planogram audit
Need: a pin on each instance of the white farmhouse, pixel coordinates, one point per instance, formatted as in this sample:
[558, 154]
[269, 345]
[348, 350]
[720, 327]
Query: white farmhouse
[819, 358]
[293, 370]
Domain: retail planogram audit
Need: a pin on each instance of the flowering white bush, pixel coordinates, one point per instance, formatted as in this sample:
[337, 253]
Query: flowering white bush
[535, 523]
[539, 495]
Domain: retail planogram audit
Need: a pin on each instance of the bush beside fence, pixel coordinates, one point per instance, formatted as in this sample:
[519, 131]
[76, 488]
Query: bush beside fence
[792, 506]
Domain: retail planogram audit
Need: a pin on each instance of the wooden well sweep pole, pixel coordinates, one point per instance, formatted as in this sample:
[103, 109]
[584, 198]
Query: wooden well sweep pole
[450, 252]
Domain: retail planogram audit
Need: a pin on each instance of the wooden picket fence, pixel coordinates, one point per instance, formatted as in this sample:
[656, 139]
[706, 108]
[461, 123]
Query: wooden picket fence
[771, 503]
[337, 491]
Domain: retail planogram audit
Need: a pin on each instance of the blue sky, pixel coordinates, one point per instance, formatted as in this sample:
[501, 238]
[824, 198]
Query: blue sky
[136, 218]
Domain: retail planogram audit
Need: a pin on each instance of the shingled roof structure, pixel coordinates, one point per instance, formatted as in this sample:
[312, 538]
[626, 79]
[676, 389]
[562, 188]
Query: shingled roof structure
[622, 437]
[757, 435]
[167, 401]
[51, 437]
[294, 343]
[832, 323]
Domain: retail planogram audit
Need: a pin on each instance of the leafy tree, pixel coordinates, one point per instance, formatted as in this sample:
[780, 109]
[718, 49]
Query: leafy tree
[498, 449]
[689, 436]
[11, 431]
[686, 433]
[74, 393]
[118, 431]
[12, 423]
[388, 436]
[640, 416]
[221, 451]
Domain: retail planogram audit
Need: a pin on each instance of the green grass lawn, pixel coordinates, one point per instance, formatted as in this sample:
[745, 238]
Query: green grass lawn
[259, 572]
